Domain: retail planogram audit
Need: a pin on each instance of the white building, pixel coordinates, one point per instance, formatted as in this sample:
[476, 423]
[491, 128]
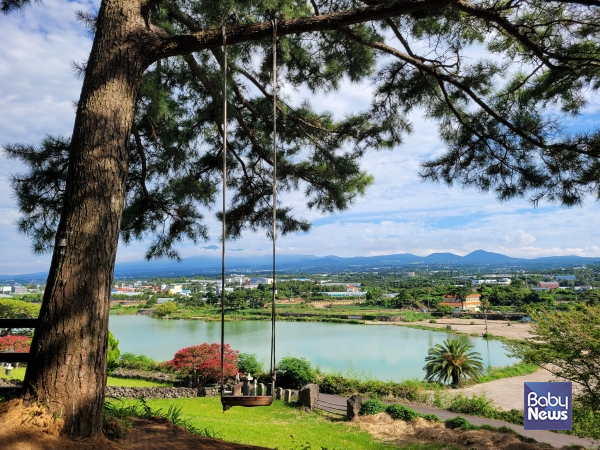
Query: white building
[480, 282]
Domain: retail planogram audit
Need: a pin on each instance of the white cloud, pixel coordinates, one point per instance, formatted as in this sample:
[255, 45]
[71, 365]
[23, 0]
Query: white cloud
[399, 214]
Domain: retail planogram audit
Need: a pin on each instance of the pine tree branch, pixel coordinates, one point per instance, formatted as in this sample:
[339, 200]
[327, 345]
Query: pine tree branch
[165, 45]
[424, 68]
[267, 95]
[141, 152]
[199, 73]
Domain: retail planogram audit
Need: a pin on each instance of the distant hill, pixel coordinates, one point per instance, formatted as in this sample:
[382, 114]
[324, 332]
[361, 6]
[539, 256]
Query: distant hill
[483, 257]
[198, 266]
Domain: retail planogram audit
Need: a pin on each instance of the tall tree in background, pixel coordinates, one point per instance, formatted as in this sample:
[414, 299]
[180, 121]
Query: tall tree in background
[143, 159]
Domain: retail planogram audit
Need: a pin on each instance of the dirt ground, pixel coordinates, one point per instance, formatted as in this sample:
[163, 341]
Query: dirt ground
[32, 429]
[383, 427]
[495, 327]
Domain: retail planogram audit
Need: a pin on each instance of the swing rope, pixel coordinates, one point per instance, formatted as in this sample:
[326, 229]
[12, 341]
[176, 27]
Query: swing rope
[223, 231]
[273, 368]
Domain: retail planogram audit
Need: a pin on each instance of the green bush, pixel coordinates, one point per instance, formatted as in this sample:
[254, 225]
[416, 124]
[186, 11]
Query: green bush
[412, 390]
[401, 412]
[431, 418]
[477, 405]
[247, 363]
[138, 362]
[112, 354]
[293, 373]
[516, 416]
[336, 384]
[585, 422]
[460, 422]
[432, 321]
[372, 406]
[480, 405]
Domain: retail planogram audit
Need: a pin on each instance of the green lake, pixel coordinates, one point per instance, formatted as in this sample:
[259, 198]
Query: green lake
[385, 352]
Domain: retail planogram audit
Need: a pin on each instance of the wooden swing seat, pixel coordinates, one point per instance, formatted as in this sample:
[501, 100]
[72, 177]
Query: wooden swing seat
[245, 400]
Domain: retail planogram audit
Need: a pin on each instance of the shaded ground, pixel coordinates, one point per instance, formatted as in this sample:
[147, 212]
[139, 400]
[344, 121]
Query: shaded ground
[32, 429]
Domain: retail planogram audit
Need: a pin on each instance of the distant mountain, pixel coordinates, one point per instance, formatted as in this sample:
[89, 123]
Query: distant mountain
[483, 257]
[211, 265]
[442, 258]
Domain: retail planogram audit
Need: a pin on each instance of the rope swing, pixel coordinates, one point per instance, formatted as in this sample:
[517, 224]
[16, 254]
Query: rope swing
[248, 400]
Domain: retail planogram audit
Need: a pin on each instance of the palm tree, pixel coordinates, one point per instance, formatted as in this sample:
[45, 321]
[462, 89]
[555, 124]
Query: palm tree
[452, 361]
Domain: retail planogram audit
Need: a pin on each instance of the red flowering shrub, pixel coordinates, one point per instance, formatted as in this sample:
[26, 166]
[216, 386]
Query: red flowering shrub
[203, 362]
[18, 344]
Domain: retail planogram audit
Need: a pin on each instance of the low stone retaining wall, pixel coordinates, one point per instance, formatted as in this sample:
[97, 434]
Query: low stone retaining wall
[13, 387]
[150, 392]
[161, 392]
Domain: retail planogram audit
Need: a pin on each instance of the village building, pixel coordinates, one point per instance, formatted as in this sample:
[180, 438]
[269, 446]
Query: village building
[472, 302]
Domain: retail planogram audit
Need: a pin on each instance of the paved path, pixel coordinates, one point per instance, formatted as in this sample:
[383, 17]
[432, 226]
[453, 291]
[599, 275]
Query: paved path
[506, 393]
[337, 404]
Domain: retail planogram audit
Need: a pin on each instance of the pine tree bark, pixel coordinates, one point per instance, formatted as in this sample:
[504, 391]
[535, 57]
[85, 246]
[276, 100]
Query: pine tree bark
[67, 369]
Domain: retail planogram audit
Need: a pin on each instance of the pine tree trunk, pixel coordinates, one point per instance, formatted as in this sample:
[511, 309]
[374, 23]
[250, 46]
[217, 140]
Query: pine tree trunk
[67, 369]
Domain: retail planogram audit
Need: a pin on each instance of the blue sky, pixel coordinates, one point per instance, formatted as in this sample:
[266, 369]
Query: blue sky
[399, 214]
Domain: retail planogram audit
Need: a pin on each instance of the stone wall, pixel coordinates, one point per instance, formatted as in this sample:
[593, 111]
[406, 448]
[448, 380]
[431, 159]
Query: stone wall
[150, 392]
[13, 387]
[161, 392]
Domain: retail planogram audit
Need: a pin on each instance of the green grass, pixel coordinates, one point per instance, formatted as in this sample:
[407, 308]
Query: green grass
[282, 426]
[133, 382]
[519, 369]
[15, 374]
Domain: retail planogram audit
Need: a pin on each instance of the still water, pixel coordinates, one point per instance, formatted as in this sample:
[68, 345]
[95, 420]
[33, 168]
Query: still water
[384, 352]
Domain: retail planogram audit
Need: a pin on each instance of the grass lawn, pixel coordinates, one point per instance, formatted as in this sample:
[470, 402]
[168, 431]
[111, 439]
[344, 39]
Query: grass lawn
[15, 374]
[282, 426]
[132, 382]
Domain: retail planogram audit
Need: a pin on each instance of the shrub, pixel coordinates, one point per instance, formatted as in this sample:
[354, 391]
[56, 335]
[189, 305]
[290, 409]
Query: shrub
[432, 321]
[112, 354]
[431, 418]
[293, 373]
[516, 416]
[18, 309]
[165, 309]
[336, 384]
[203, 362]
[372, 406]
[247, 363]
[460, 422]
[477, 405]
[18, 344]
[137, 362]
[585, 422]
[401, 412]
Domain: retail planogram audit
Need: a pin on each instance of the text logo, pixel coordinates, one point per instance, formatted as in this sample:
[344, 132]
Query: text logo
[548, 406]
